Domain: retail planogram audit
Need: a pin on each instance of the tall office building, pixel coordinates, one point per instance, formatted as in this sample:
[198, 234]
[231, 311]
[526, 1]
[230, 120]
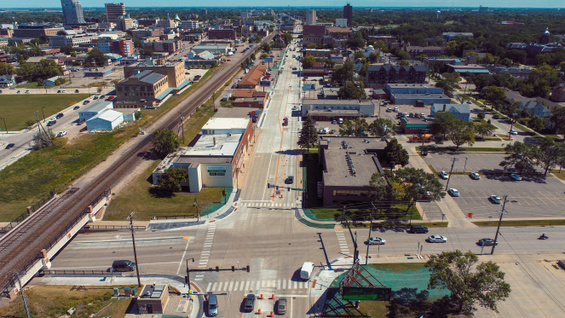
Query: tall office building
[311, 17]
[72, 12]
[114, 11]
[348, 14]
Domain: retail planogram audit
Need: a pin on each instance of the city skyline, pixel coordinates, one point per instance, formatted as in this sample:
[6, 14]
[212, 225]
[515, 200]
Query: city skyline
[35, 4]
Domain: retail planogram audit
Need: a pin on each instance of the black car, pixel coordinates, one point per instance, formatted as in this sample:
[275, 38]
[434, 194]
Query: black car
[289, 180]
[249, 302]
[418, 229]
[59, 115]
[10, 145]
[486, 242]
[51, 122]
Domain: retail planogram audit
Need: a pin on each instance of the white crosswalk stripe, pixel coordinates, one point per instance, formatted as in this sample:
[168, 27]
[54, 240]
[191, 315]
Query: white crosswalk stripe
[267, 205]
[341, 240]
[256, 286]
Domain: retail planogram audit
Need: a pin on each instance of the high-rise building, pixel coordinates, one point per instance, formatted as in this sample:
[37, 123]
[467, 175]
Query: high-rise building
[341, 23]
[348, 14]
[72, 12]
[114, 11]
[311, 17]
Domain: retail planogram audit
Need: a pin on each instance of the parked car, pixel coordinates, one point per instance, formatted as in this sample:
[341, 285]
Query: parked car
[516, 177]
[495, 117]
[249, 302]
[281, 306]
[495, 199]
[436, 239]
[61, 133]
[10, 145]
[418, 229]
[453, 192]
[375, 241]
[475, 176]
[513, 132]
[443, 175]
[486, 242]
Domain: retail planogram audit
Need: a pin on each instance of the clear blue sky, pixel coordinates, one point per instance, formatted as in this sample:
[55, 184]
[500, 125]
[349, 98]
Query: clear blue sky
[278, 3]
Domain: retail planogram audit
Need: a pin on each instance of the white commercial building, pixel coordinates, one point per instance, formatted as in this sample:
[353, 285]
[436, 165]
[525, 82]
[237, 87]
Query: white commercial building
[106, 120]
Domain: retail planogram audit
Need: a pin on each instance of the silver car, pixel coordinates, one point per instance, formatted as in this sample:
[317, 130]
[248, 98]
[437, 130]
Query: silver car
[437, 239]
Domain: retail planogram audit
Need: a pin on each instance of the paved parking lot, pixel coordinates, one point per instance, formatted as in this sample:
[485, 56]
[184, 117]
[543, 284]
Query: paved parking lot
[528, 198]
[467, 162]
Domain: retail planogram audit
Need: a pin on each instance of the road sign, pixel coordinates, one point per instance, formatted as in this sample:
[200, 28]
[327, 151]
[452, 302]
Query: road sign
[268, 60]
[367, 293]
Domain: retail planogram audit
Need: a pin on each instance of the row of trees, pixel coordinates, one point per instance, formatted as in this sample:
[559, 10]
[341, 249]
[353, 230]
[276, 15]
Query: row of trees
[525, 157]
[459, 131]
[34, 72]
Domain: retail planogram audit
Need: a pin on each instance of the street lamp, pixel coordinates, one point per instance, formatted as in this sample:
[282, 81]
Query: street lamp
[188, 274]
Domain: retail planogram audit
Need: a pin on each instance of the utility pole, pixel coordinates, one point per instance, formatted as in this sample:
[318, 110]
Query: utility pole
[188, 274]
[369, 239]
[23, 294]
[355, 250]
[502, 212]
[130, 217]
[182, 126]
[197, 213]
[450, 171]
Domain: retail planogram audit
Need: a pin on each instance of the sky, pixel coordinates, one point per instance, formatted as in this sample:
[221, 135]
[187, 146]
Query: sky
[262, 3]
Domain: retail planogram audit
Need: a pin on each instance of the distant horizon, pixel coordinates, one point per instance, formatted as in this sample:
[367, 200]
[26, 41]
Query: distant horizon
[385, 4]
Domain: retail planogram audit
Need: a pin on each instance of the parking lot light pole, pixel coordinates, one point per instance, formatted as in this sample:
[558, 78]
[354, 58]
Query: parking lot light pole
[450, 171]
[502, 212]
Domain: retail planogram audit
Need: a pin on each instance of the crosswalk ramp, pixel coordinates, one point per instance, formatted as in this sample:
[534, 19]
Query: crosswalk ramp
[270, 285]
[267, 204]
[341, 240]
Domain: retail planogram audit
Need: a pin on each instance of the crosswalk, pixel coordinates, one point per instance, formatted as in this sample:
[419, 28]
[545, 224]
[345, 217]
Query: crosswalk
[206, 249]
[269, 285]
[267, 204]
[341, 240]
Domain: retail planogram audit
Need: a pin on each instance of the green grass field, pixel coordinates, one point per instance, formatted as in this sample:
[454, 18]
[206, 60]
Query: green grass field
[18, 109]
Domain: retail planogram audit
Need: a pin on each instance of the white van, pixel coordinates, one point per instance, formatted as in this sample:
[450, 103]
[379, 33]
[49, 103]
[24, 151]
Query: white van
[306, 270]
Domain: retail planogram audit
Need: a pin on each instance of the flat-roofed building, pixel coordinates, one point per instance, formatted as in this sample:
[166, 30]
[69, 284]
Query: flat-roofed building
[174, 70]
[114, 11]
[35, 30]
[215, 157]
[378, 75]
[143, 89]
[348, 165]
[328, 109]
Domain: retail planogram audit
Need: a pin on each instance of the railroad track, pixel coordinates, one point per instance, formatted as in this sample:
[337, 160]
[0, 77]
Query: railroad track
[22, 246]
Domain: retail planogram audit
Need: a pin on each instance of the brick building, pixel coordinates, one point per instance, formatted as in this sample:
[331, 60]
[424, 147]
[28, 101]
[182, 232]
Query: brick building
[222, 34]
[378, 75]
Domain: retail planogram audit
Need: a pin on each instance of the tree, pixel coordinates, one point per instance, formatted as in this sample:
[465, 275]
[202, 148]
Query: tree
[170, 180]
[536, 123]
[494, 94]
[418, 184]
[445, 122]
[67, 49]
[352, 91]
[43, 139]
[308, 135]
[550, 154]
[454, 270]
[558, 119]
[164, 142]
[461, 133]
[395, 154]
[95, 58]
[344, 73]
[287, 38]
[356, 127]
[7, 69]
[381, 127]
[308, 61]
[266, 47]
[373, 57]
[484, 129]
[521, 156]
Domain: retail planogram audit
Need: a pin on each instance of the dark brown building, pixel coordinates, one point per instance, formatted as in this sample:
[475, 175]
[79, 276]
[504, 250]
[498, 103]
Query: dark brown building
[378, 75]
[222, 34]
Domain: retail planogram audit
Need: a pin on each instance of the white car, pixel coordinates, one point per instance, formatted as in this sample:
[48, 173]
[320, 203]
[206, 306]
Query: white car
[495, 199]
[475, 176]
[376, 241]
[61, 133]
[443, 175]
[437, 239]
[513, 132]
[453, 192]
[516, 177]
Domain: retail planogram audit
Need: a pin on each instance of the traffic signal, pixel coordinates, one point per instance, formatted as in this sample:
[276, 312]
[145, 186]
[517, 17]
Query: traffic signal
[217, 268]
[288, 188]
[268, 185]
[248, 268]
[277, 187]
[233, 268]
[186, 280]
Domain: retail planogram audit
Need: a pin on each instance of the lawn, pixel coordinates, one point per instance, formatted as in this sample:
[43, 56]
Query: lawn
[559, 173]
[136, 197]
[54, 301]
[522, 223]
[34, 175]
[18, 109]
[29, 85]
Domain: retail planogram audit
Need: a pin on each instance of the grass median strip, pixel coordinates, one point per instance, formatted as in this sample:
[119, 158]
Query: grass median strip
[522, 223]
